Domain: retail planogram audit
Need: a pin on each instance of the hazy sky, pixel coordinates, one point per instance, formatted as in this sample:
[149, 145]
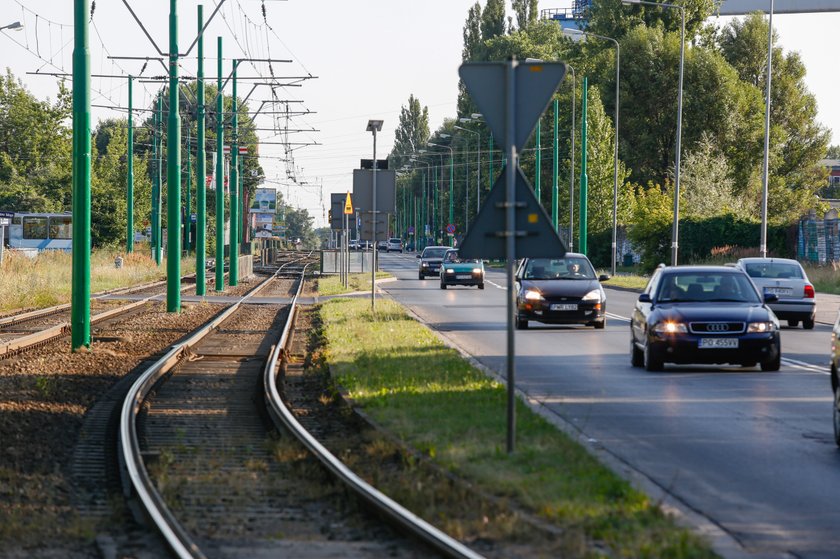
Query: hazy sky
[368, 56]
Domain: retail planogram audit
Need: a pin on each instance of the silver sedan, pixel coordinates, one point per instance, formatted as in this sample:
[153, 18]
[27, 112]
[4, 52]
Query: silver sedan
[787, 280]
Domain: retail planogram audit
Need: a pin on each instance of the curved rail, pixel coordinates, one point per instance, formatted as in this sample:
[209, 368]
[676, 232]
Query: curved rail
[132, 469]
[397, 514]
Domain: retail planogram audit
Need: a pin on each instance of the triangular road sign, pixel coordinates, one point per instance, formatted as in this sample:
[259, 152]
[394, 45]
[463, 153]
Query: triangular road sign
[534, 85]
[535, 237]
[348, 205]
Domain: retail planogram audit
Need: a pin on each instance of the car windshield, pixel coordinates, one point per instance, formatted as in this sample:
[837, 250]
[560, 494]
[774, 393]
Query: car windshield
[434, 252]
[774, 270]
[452, 257]
[395, 241]
[696, 287]
[569, 268]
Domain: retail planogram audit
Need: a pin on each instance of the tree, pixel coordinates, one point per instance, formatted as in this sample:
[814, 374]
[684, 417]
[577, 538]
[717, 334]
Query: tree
[299, 226]
[493, 19]
[833, 152]
[613, 19]
[411, 134]
[472, 34]
[706, 185]
[527, 13]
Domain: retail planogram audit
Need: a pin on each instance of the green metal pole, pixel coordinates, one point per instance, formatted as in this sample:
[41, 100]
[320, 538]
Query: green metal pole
[80, 299]
[424, 213]
[155, 178]
[158, 194]
[584, 180]
[220, 179]
[555, 170]
[187, 201]
[129, 190]
[201, 163]
[538, 164]
[451, 192]
[173, 172]
[234, 188]
[435, 224]
[490, 176]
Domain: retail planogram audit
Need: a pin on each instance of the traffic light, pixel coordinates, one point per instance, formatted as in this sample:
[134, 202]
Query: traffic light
[330, 214]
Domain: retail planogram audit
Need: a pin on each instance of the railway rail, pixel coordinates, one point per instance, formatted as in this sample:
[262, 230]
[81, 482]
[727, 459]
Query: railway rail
[204, 393]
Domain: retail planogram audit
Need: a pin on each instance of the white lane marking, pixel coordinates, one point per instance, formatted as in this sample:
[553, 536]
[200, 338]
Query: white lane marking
[805, 366]
[494, 284]
[617, 317]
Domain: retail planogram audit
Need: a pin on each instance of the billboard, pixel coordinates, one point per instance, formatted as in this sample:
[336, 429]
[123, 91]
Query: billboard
[264, 201]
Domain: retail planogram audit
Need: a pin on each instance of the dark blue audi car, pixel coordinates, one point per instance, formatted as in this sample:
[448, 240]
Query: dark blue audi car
[704, 314]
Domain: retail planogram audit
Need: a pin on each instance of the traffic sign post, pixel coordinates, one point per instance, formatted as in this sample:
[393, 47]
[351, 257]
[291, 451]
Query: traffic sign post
[512, 95]
[450, 229]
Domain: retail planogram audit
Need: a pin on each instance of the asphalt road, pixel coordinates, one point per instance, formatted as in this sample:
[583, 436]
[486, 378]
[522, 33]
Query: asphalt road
[750, 453]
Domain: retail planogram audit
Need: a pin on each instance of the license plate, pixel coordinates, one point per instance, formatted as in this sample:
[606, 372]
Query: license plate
[716, 343]
[463, 276]
[564, 307]
[779, 290]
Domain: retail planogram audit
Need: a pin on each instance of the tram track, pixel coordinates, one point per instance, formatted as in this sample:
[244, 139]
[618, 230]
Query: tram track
[201, 455]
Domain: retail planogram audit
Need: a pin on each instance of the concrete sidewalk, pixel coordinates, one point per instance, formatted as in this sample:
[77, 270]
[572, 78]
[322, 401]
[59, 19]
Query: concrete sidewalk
[827, 308]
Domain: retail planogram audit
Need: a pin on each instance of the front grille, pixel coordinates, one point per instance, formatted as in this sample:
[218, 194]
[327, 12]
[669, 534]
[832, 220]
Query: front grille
[721, 328]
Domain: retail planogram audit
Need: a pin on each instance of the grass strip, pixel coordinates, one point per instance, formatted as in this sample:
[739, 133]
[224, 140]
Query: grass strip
[629, 281]
[435, 401]
[46, 280]
[331, 285]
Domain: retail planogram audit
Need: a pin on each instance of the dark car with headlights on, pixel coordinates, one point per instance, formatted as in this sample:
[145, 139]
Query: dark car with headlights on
[430, 260]
[560, 291]
[704, 314]
[455, 270]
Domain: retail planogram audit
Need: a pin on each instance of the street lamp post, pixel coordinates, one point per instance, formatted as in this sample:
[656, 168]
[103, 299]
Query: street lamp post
[676, 227]
[766, 177]
[451, 183]
[577, 32]
[373, 126]
[478, 167]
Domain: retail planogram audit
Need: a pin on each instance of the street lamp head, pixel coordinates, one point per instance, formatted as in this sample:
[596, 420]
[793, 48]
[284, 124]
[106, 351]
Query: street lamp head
[442, 135]
[374, 126]
[476, 116]
[630, 2]
[16, 26]
[464, 119]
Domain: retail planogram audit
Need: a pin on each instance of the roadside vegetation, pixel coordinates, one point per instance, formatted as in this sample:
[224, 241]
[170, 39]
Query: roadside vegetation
[427, 395]
[46, 280]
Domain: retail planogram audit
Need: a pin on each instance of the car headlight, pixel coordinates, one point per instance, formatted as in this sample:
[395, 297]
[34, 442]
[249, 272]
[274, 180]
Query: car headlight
[532, 295]
[760, 327]
[670, 327]
[594, 295]
[476, 270]
[450, 271]
[424, 264]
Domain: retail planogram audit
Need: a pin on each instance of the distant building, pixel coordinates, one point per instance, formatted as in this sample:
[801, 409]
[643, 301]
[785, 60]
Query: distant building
[833, 166]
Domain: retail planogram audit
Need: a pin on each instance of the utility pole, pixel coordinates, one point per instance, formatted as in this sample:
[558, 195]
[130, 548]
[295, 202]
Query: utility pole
[234, 188]
[201, 163]
[220, 178]
[159, 194]
[187, 202]
[129, 189]
[538, 163]
[80, 299]
[584, 180]
[173, 172]
[555, 169]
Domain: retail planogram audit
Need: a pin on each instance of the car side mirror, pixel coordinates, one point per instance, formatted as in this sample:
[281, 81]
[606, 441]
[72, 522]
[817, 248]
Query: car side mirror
[645, 298]
[418, 255]
[770, 297]
[603, 277]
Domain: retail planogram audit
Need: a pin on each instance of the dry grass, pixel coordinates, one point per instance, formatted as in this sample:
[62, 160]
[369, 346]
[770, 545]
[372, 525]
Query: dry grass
[35, 283]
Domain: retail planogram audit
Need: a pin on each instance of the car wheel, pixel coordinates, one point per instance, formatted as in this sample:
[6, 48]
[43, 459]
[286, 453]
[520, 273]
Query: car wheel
[442, 285]
[772, 365]
[793, 323]
[651, 361]
[600, 325]
[808, 323]
[521, 324]
[637, 358]
[481, 286]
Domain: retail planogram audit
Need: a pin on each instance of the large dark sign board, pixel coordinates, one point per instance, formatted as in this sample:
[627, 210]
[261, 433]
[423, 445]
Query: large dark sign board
[386, 187]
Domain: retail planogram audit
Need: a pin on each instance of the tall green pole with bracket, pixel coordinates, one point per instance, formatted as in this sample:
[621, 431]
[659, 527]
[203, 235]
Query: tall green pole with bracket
[451, 192]
[584, 180]
[187, 202]
[129, 187]
[234, 188]
[173, 172]
[201, 170]
[80, 298]
[220, 179]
